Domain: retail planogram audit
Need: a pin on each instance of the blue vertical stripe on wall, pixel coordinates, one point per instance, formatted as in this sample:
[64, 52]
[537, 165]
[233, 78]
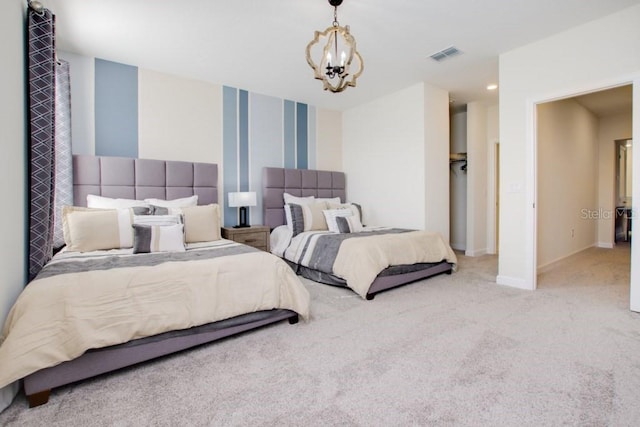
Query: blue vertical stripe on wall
[229, 152]
[302, 160]
[116, 109]
[265, 148]
[289, 134]
[259, 131]
[312, 137]
[243, 139]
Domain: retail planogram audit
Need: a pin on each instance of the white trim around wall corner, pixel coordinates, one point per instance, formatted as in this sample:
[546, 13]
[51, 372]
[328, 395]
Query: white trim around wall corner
[458, 246]
[492, 197]
[605, 245]
[531, 196]
[476, 252]
[634, 287]
[514, 282]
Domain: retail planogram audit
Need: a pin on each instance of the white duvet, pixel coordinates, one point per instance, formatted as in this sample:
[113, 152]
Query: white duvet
[360, 259]
[58, 318]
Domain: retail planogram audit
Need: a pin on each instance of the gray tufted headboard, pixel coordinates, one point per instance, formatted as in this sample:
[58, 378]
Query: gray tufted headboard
[127, 178]
[297, 182]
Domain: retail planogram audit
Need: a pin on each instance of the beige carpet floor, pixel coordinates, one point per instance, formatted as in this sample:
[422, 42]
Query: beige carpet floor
[451, 350]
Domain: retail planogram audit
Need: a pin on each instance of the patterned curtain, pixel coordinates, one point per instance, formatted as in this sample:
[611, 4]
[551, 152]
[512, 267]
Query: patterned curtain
[41, 83]
[63, 192]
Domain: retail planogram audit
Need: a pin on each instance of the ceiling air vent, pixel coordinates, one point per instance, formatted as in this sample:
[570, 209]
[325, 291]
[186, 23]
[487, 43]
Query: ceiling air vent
[445, 53]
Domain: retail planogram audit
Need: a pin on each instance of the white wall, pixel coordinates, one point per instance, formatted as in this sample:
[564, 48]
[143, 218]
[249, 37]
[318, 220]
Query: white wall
[168, 130]
[610, 129]
[458, 183]
[477, 132]
[329, 140]
[395, 156]
[12, 163]
[493, 139]
[572, 62]
[567, 180]
[383, 152]
[436, 160]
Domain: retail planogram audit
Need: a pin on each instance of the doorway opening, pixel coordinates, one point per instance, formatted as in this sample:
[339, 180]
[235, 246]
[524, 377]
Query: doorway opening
[578, 191]
[624, 190]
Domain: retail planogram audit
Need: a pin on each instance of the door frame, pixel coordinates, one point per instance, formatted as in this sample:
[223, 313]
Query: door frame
[493, 197]
[531, 142]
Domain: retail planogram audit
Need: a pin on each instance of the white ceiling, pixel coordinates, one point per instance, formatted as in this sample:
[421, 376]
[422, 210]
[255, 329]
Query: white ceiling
[608, 102]
[259, 45]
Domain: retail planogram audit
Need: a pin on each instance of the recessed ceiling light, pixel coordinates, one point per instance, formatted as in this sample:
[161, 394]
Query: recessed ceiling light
[492, 86]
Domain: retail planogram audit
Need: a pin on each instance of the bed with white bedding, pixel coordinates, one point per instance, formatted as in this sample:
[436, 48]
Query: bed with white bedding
[324, 240]
[129, 287]
[92, 300]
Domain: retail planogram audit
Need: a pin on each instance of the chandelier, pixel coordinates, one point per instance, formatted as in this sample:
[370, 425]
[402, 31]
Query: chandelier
[339, 64]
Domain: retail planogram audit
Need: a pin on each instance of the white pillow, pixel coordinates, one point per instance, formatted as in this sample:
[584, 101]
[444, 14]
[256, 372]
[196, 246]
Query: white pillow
[288, 198]
[175, 203]
[100, 202]
[201, 223]
[332, 200]
[156, 238]
[331, 214]
[88, 229]
[351, 206]
[157, 219]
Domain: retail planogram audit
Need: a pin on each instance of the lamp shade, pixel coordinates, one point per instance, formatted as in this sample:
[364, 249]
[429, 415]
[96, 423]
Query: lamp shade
[242, 198]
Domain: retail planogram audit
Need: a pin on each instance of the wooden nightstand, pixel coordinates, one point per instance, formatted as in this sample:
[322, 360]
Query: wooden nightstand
[255, 235]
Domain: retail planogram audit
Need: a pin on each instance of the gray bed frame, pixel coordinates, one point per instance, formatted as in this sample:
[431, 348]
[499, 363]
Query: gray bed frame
[327, 184]
[139, 179]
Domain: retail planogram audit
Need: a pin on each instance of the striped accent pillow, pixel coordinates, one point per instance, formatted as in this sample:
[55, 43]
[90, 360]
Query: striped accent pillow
[331, 215]
[307, 217]
[297, 219]
[157, 219]
[158, 238]
[355, 208]
[294, 200]
[343, 224]
[348, 224]
[201, 223]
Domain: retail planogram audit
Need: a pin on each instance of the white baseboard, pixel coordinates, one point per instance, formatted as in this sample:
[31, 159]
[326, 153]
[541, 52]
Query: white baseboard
[605, 245]
[549, 265]
[514, 282]
[477, 252]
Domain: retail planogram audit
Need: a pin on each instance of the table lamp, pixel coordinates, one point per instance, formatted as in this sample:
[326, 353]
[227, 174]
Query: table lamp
[242, 199]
